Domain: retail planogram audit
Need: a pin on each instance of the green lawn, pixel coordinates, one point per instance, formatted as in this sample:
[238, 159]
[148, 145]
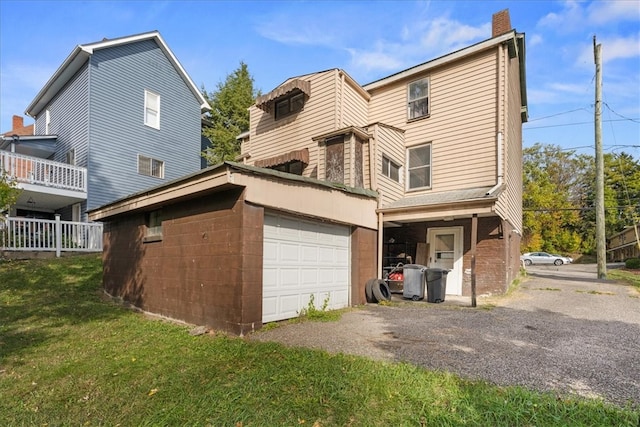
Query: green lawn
[69, 356]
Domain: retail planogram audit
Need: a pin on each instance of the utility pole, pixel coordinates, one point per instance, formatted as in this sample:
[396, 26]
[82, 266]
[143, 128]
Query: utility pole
[601, 242]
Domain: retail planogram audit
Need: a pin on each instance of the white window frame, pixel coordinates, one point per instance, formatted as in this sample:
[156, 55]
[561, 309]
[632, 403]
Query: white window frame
[153, 226]
[151, 109]
[149, 166]
[413, 167]
[387, 165]
[71, 157]
[418, 98]
[47, 122]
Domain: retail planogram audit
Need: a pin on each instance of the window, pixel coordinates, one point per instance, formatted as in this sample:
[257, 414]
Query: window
[334, 161]
[418, 98]
[419, 169]
[150, 167]
[153, 226]
[151, 109]
[47, 122]
[71, 157]
[289, 105]
[390, 169]
[295, 167]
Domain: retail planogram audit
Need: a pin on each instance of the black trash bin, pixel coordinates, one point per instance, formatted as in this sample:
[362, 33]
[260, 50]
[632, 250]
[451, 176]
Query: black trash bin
[436, 284]
[413, 286]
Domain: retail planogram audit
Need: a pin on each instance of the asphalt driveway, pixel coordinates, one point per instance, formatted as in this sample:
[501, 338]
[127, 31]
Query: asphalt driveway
[563, 330]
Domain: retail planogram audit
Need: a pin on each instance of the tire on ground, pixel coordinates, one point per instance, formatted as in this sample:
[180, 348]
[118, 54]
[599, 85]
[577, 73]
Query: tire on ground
[381, 291]
[368, 290]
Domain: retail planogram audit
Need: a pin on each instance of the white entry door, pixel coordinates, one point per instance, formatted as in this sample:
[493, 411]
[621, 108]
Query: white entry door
[445, 251]
[303, 258]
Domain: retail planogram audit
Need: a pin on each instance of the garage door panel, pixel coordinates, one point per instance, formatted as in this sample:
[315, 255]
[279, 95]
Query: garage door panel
[288, 252]
[270, 252]
[269, 278]
[309, 253]
[289, 277]
[303, 258]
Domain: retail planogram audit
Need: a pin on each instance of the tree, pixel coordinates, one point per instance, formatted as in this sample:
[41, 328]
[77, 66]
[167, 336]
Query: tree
[229, 115]
[550, 209]
[8, 192]
[621, 192]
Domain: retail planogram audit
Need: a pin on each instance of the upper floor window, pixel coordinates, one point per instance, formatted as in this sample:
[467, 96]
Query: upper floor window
[150, 167]
[419, 168]
[418, 98]
[47, 122]
[289, 105]
[334, 159]
[152, 109]
[390, 169]
[71, 157]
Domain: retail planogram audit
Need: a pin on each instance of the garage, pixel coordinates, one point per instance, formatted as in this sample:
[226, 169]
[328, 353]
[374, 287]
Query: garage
[303, 258]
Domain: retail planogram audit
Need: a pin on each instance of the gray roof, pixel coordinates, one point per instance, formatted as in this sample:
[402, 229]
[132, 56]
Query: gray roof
[467, 195]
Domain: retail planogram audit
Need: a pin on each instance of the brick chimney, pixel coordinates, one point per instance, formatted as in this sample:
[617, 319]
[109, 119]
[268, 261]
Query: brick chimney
[17, 122]
[500, 23]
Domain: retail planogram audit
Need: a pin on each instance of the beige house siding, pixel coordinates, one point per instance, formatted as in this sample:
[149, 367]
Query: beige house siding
[354, 107]
[270, 137]
[335, 102]
[510, 125]
[390, 143]
[462, 124]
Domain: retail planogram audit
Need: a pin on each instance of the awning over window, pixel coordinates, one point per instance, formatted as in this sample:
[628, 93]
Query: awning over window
[298, 155]
[265, 102]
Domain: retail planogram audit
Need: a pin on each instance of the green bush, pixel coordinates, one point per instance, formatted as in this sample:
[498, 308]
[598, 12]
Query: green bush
[632, 263]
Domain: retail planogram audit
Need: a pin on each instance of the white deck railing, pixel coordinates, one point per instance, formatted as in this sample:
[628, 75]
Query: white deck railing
[28, 234]
[34, 170]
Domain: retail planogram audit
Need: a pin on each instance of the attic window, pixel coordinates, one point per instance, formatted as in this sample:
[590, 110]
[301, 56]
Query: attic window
[151, 109]
[289, 105]
[284, 92]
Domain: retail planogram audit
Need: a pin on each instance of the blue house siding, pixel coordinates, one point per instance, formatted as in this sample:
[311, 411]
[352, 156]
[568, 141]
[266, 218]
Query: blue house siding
[117, 134]
[69, 120]
[68, 114]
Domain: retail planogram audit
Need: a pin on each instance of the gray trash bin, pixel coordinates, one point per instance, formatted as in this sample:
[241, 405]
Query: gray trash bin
[436, 284]
[413, 287]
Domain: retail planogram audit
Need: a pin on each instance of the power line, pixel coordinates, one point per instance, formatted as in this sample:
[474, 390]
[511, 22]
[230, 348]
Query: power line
[580, 123]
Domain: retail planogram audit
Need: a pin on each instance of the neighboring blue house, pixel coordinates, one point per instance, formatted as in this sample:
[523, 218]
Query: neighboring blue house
[118, 116]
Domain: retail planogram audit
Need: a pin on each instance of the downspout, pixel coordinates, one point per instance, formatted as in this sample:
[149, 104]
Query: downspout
[501, 107]
[500, 176]
[341, 124]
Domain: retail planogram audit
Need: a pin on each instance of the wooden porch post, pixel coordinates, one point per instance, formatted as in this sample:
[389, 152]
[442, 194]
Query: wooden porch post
[474, 239]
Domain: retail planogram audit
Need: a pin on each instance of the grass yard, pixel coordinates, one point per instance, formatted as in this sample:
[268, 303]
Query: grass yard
[69, 356]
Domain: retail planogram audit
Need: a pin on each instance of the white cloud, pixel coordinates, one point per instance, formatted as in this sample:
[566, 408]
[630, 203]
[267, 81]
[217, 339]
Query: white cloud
[279, 29]
[576, 15]
[612, 49]
[535, 40]
[418, 43]
[374, 61]
[604, 12]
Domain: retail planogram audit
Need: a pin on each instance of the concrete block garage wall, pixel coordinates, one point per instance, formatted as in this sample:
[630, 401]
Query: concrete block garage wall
[206, 270]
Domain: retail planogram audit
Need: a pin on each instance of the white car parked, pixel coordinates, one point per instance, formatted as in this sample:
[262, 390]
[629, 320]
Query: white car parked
[543, 258]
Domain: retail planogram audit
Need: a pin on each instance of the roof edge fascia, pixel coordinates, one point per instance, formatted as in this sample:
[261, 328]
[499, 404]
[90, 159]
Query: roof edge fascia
[477, 201]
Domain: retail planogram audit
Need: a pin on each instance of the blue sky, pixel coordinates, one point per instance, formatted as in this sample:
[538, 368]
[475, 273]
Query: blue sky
[368, 39]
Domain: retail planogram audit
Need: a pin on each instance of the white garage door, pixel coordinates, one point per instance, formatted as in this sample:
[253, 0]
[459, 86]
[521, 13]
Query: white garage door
[303, 258]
